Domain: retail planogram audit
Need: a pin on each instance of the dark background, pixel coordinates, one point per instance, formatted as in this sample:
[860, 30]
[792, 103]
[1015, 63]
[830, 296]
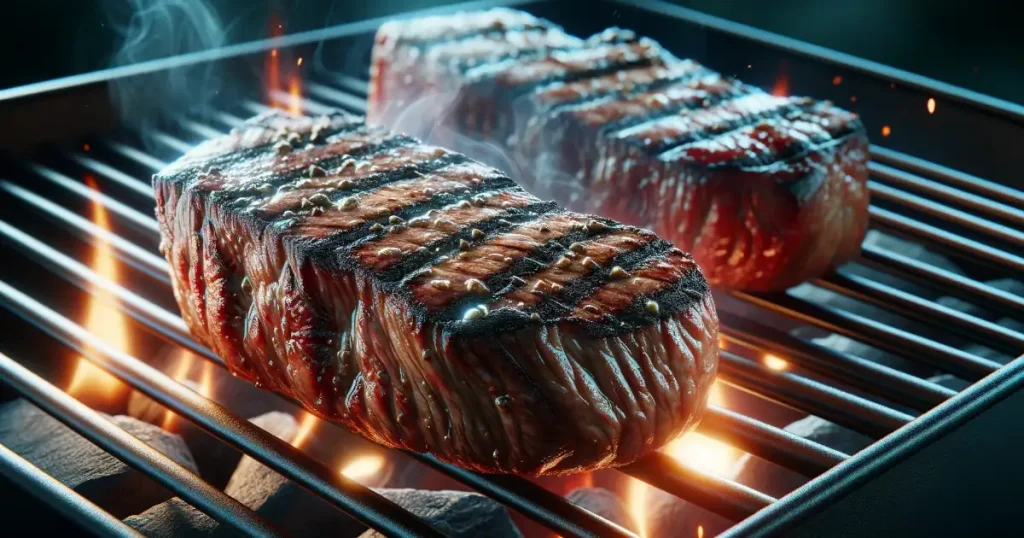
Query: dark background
[978, 45]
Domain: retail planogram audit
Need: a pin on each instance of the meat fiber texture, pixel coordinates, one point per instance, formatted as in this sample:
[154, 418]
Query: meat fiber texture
[765, 191]
[424, 300]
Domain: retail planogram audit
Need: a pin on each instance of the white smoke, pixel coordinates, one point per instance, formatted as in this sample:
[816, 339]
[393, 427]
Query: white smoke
[160, 29]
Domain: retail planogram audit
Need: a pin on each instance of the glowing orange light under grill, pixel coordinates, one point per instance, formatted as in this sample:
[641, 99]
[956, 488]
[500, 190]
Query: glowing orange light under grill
[91, 383]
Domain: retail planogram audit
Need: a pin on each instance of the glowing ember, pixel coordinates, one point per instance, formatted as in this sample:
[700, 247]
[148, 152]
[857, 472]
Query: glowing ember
[775, 363]
[294, 95]
[853, 98]
[86, 147]
[837, 80]
[90, 383]
[931, 105]
[636, 493]
[700, 531]
[781, 87]
[886, 130]
[703, 453]
[306, 426]
[362, 467]
[299, 62]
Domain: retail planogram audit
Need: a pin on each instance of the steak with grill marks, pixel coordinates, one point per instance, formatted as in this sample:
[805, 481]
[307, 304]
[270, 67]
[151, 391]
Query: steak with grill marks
[764, 191]
[425, 301]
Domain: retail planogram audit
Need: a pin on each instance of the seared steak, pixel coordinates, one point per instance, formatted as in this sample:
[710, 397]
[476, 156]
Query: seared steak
[765, 191]
[425, 301]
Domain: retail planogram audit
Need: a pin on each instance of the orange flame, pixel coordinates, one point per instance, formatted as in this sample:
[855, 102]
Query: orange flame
[181, 373]
[294, 94]
[636, 493]
[91, 383]
[306, 426]
[362, 467]
[781, 86]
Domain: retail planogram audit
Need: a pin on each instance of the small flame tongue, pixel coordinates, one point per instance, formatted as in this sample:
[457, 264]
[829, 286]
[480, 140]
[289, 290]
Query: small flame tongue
[90, 383]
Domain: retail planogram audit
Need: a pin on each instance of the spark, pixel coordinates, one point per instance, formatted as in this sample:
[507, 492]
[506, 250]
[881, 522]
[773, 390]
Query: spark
[837, 80]
[931, 105]
[886, 130]
[775, 363]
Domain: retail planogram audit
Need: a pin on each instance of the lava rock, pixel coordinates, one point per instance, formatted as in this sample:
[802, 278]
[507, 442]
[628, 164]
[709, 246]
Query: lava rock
[603, 503]
[778, 481]
[85, 467]
[174, 519]
[293, 509]
[459, 514]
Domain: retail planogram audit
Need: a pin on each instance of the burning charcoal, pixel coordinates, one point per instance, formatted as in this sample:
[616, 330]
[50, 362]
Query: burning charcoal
[293, 509]
[174, 519]
[86, 468]
[459, 514]
[603, 503]
[777, 481]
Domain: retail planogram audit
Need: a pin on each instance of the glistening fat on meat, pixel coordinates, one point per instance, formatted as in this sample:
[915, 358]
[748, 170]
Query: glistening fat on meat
[427, 302]
[764, 191]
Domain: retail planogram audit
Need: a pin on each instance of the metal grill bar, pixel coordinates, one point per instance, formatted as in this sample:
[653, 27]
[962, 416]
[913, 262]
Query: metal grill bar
[948, 281]
[995, 191]
[62, 498]
[915, 307]
[815, 398]
[345, 494]
[868, 376]
[947, 213]
[982, 205]
[140, 258]
[134, 452]
[729, 499]
[946, 240]
[898, 341]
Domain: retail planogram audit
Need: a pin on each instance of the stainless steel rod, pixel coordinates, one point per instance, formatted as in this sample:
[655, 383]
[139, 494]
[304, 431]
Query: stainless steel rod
[63, 499]
[124, 446]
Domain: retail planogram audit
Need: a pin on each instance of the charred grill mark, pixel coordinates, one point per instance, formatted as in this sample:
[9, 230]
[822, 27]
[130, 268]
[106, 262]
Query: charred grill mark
[561, 303]
[642, 139]
[376, 228]
[255, 152]
[788, 141]
[525, 264]
[712, 98]
[399, 271]
[620, 89]
[257, 191]
[362, 186]
[492, 73]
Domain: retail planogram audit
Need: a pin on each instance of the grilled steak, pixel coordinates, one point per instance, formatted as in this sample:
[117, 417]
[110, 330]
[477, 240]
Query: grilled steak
[425, 301]
[765, 191]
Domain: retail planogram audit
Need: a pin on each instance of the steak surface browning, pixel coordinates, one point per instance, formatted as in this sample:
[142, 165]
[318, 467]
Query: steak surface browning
[425, 301]
[764, 191]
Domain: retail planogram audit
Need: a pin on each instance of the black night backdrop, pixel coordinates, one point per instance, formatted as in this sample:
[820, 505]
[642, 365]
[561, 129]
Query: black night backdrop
[977, 45]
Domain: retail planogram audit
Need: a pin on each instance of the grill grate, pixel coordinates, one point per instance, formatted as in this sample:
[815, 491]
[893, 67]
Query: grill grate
[981, 224]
